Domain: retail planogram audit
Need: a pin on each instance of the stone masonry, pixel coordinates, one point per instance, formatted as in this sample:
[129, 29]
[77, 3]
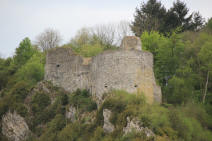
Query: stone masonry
[127, 68]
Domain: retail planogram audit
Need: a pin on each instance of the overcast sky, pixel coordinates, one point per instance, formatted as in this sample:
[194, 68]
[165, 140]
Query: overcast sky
[28, 18]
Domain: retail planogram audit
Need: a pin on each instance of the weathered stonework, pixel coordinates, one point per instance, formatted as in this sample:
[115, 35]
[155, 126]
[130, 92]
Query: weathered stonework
[127, 68]
[66, 69]
[131, 42]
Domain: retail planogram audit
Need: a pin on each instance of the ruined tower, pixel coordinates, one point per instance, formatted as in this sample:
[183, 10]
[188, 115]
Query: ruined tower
[127, 68]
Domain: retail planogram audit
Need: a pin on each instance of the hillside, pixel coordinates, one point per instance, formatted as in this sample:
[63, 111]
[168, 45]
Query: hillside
[34, 108]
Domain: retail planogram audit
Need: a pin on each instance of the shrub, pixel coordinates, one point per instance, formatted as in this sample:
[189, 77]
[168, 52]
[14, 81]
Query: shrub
[20, 90]
[82, 100]
[33, 70]
[90, 50]
[39, 102]
[21, 109]
[71, 132]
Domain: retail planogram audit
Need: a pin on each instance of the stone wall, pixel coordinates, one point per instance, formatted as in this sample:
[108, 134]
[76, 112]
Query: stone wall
[127, 68]
[66, 69]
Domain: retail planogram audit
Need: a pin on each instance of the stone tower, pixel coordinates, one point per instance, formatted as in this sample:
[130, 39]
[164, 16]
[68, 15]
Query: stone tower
[127, 68]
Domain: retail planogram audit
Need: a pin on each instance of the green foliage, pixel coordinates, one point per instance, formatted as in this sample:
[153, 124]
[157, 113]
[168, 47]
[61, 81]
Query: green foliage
[4, 105]
[64, 99]
[153, 16]
[87, 44]
[20, 109]
[39, 102]
[98, 134]
[45, 114]
[71, 132]
[24, 52]
[122, 105]
[180, 65]
[187, 128]
[81, 99]
[205, 56]
[20, 90]
[151, 41]
[33, 70]
[150, 16]
[179, 91]
[89, 50]
[176, 123]
[6, 69]
[53, 128]
[167, 53]
[133, 136]
[209, 24]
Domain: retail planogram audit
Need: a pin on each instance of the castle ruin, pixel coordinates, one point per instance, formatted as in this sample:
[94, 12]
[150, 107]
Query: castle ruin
[127, 68]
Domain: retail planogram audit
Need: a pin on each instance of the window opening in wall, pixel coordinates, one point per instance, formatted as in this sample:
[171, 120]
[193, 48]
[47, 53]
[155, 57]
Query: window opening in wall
[58, 65]
[136, 86]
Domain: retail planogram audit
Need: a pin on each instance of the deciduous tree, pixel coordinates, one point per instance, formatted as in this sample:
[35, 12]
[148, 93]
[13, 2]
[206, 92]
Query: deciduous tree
[48, 39]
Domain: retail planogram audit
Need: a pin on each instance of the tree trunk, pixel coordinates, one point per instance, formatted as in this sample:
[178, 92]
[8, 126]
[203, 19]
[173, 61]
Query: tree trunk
[206, 88]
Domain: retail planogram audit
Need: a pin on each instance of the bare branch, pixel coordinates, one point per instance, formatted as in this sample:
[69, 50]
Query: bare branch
[48, 39]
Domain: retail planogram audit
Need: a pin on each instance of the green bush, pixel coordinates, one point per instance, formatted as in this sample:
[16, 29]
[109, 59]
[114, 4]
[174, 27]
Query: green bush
[4, 105]
[33, 70]
[20, 90]
[89, 50]
[21, 109]
[71, 132]
[64, 99]
[81, 99]
[39, 102]
[187, 128]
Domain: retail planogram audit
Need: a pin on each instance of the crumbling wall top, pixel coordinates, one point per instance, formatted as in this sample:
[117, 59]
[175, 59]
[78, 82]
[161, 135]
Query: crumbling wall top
[131, 42]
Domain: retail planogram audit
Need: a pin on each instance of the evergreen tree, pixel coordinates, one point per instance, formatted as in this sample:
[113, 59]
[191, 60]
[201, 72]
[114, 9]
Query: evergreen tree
[152, 16]
[148, 17]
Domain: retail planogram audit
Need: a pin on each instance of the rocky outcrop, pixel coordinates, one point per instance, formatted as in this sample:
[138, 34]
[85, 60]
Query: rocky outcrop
[108, 126]
[127, 68]
[14, 127]
[135, 125]
[44, 87]
[71, 113]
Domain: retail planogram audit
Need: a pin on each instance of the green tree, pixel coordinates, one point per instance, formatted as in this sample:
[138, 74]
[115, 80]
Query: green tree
[5, 71]
[24, 52]
[205, 56]
[150, 16]
[33, 70]
[178, 16]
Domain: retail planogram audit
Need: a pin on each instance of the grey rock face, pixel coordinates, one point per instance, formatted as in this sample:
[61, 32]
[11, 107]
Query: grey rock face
[135, 125]
[71, 113]
[14, 127]
[127, 68]
[108, 127]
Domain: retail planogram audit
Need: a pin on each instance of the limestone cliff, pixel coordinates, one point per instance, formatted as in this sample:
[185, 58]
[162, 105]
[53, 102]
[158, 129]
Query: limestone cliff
[127, 68]
[14, 127]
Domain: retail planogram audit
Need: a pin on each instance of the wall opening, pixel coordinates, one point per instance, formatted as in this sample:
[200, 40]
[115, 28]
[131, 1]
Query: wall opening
[136, 86]
[57, 65]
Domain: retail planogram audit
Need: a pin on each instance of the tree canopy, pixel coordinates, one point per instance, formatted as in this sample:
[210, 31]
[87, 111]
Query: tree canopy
[153, 16]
